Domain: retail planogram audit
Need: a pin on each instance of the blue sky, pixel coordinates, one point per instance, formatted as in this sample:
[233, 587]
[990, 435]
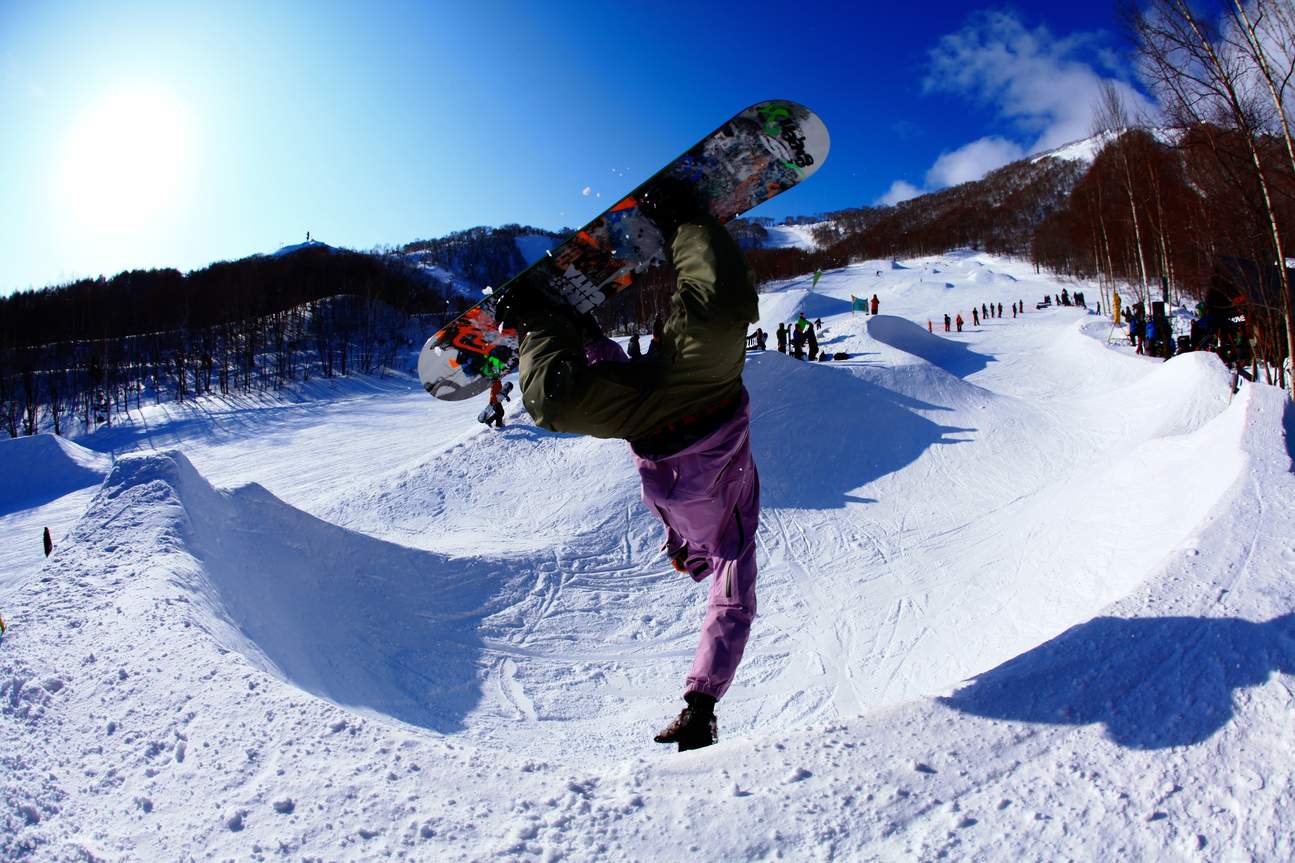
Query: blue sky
[143, 134]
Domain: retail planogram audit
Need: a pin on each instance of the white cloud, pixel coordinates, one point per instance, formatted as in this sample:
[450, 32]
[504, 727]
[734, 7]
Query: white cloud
[1045, 87]
[972, 161]
[899, 191]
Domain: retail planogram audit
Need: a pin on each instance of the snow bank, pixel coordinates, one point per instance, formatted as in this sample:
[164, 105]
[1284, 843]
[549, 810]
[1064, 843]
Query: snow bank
[956, 358]
[381, 628]
[40, 468]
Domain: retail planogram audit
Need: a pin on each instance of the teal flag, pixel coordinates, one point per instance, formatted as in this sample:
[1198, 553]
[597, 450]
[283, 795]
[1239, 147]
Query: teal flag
[858, 304]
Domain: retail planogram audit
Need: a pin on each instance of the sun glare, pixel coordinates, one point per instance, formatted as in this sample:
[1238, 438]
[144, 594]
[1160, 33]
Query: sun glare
[125, 161]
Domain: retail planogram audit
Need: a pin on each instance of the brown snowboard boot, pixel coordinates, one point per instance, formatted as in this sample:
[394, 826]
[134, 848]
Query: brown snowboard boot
[695, 727]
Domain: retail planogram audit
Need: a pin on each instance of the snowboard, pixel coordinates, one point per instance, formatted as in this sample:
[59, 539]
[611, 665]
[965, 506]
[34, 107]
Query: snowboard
[759, 153]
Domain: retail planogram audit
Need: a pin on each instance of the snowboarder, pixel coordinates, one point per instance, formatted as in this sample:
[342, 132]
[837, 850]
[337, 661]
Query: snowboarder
[686, 416]
[812, 339]
[797, 343]
[782, 338]
[802, 322]
[498, 390]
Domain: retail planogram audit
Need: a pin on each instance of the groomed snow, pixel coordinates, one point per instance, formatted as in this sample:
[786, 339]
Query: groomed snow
[1023, 595]
[791, 237]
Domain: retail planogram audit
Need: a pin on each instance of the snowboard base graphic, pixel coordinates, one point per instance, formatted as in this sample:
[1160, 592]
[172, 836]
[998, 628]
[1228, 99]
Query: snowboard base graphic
[763, 151]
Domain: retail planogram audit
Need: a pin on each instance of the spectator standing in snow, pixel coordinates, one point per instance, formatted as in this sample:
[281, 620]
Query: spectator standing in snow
[782, 338]
[959, 321]
[635, 349]
[658, 332]
[947, 321]
[975, 317]
[811, 338]
[984, 311]
[48, 541]
[797, 343]
[929, 329]
[1000, 310]
[875, 303]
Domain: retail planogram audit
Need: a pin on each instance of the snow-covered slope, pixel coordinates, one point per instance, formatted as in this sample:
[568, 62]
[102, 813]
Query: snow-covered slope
[790, 236]
[1023, 595]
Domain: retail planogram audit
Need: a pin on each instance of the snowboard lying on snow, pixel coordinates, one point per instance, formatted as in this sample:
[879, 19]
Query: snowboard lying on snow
[764, 150]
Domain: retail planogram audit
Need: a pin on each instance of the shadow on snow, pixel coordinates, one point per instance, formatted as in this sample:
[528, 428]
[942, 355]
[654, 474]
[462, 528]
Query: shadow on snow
[819, 432]
[1153, 682]
[954, 357]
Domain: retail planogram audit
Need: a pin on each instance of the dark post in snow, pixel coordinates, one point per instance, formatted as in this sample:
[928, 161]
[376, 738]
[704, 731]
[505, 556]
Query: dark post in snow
[49, 543]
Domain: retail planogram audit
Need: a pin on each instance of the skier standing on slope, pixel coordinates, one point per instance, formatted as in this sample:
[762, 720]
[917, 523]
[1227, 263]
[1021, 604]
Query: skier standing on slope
[686, 415]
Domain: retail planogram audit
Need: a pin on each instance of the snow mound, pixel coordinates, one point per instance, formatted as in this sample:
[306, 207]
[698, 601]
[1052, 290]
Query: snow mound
[44, 467]
[1185, 392]
[990, 277]
[379, 628]
[956, 358]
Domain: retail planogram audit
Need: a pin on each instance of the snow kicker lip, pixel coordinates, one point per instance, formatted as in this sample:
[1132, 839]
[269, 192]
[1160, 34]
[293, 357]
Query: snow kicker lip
[369, 625]
[43, 467]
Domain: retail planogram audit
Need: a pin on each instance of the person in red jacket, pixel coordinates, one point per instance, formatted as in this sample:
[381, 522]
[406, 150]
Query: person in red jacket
[497, 392]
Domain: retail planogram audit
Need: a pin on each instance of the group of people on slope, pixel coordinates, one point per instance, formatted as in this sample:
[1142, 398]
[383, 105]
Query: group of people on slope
[984, 313]
[802, 335]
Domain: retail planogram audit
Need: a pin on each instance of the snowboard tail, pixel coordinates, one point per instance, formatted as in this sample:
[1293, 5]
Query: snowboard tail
[761, 152]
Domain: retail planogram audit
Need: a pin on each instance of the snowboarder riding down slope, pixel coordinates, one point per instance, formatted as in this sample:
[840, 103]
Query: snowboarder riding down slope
[686, 415]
